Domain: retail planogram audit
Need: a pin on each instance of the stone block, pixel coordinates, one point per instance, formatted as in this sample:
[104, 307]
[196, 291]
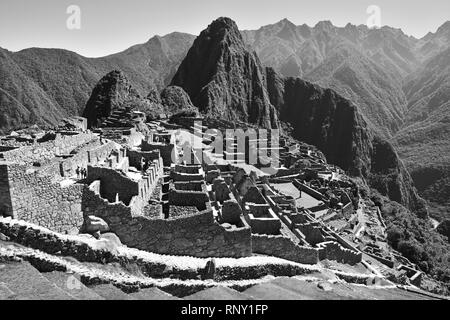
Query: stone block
[94, 224]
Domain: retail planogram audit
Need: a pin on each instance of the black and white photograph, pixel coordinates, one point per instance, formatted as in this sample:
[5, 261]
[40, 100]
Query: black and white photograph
[224, 155]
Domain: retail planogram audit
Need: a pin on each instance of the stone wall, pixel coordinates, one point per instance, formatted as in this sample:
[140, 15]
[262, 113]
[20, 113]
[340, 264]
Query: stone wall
[41, 152]
[270, 225]
[5, 195]
[113, 183]
[313, 193]
[164, 149]
[116, 184]
[135, 157]
[198, 199]
[283, 247]
[79, 157]
[254, 195]
[190, 185]
[190, 169]
[100, 153]
[334, 251]
[39, 194]
[196, 235]
[178, 176]
[262, 218]
[311, 231]
[38, 199]
[211, 175]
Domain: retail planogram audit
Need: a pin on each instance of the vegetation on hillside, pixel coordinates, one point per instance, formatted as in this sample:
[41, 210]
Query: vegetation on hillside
[415, 238]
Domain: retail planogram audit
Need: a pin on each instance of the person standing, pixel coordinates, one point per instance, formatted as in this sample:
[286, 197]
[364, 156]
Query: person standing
[146, 165]
[78, 172]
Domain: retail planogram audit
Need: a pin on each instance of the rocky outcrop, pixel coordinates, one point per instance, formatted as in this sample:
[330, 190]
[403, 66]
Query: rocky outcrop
[323, 118]
[111, 92]
[175, 100]
[224, 79]
[94, 224]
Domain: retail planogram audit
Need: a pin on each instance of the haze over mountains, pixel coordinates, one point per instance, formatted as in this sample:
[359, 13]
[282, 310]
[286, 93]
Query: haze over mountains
[399, 84]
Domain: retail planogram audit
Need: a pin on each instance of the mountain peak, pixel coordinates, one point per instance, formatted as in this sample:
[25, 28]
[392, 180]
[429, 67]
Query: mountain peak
[222, 29]
[223, 78]
[324, 25]
[286, 21]
[115, 74]
[222, 23]
[109, 93]
[444, 28]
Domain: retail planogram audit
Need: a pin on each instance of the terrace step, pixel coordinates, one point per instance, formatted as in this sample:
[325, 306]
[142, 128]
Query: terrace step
[306, 290]
[5, 292]
[270, 291]
[152, 294]
[110, 292]
[21, 281]
[218, 293]
[72, 286]
[285, 288]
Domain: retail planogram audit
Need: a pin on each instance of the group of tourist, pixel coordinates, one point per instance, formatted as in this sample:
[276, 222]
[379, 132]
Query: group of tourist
[81, 173]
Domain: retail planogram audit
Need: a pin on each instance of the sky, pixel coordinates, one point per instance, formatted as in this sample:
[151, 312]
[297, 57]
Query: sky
[107, 27]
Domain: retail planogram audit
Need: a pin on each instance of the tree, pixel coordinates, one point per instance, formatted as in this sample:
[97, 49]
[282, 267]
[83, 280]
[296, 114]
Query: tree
[444, 228]
[410, 250]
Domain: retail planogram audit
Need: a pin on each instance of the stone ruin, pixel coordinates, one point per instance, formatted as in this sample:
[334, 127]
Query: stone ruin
[152, 200]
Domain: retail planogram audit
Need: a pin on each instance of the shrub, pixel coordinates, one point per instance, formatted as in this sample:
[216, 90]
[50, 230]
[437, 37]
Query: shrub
[410, 250]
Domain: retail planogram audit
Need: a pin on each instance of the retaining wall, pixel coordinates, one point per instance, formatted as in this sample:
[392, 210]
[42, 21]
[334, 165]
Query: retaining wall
[38, 152]
[38, 199]
[313, 193]
[196, 235]
[334, 251]
[5, 195]
[283, 247]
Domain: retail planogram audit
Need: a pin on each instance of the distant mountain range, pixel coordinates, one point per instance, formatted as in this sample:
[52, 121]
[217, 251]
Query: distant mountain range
[365, 65]
[399, 84]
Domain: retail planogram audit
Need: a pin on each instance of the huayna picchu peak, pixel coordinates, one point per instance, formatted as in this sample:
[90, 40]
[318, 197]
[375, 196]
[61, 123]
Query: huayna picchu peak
[225, 79]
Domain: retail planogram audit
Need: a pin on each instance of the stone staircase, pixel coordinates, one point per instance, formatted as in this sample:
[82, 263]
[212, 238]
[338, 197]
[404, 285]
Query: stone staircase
[21, 281]
[72, 285]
